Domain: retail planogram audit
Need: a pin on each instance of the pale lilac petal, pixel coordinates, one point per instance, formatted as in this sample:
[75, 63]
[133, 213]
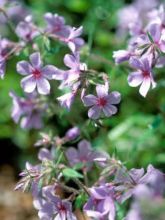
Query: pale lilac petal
[98, 193]
[135, 79]
[49, 71]
[114, 98]
[70, 61]
[84, 147]
[135, 63]
[24, 68]
[145, 86]
[66, 100]
[162, 45]
[89, 100]
[44, 154]
[111, 206]
[94, 112]
[146, 64]
[28, 84]
[76, 32]
[101, 90]
[121, 56]
[153, 83]
[72, 156]
[136, 174]
[35, 60]
[72, 46]
[43, 86]
[2, 69]
[79, 42]
[60, 74]
[109, 110]
[155, 32]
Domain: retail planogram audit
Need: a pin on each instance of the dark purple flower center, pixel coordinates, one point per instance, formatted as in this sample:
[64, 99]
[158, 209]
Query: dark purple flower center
[146, 73]
[57, 28]
[101, 101]
[96, 201]
[36, 73]
[61, 207]
[28, 36]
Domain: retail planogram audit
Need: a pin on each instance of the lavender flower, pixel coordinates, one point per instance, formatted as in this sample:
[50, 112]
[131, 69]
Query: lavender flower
[101, 203]
[26, 30]
[158, 38]
[103, 102]
[38, 76]
[121, 56]
[135, 180]
[76, 69]
[129, 181]
[72, 133]
[73, 40]
[4, 48]
[143, 75]
[51, 206]
[45, 154]
[158, 16]
[30, 179]
[27, 110]
[45, 140]
[66, 100]
[56, 25]
[83, 155]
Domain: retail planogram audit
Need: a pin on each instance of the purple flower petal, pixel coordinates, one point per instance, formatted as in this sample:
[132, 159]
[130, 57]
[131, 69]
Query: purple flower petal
[24, 68]
[72, 156]
[109, 110]
[101, 90]
[114, 98]
[72, 46]
[145, 86]
[135, 79]
[43, 86]
[2, 68]
[44, 154]
[28, 84]
[94, 112]
[70, 61]
[49, 71]
[135, 63]
[155, 32]
[76, 32]
[89, 100]
[146, 65]
[162, 46]
[121, 56]
[35, 60]
[84, 147]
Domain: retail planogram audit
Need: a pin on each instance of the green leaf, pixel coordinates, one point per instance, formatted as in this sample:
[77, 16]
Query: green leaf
[80, 200]
[68, 172]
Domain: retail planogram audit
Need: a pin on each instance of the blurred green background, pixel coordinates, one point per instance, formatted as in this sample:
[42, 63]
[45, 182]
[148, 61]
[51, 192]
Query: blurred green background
[136, 134]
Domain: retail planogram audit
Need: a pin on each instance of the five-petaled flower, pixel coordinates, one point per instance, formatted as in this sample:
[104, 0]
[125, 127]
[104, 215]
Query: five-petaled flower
[103, 102]
[83, 155]
[143, 75]
[38, 75]
[51, 206]
[101, 203]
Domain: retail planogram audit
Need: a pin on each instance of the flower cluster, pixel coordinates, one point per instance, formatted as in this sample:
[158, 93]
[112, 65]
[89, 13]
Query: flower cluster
[54, 195]
[71, 174]
[146, 45]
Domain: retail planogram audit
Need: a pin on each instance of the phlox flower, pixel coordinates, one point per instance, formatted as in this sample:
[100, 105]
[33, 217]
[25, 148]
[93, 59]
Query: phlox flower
[102, 103]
